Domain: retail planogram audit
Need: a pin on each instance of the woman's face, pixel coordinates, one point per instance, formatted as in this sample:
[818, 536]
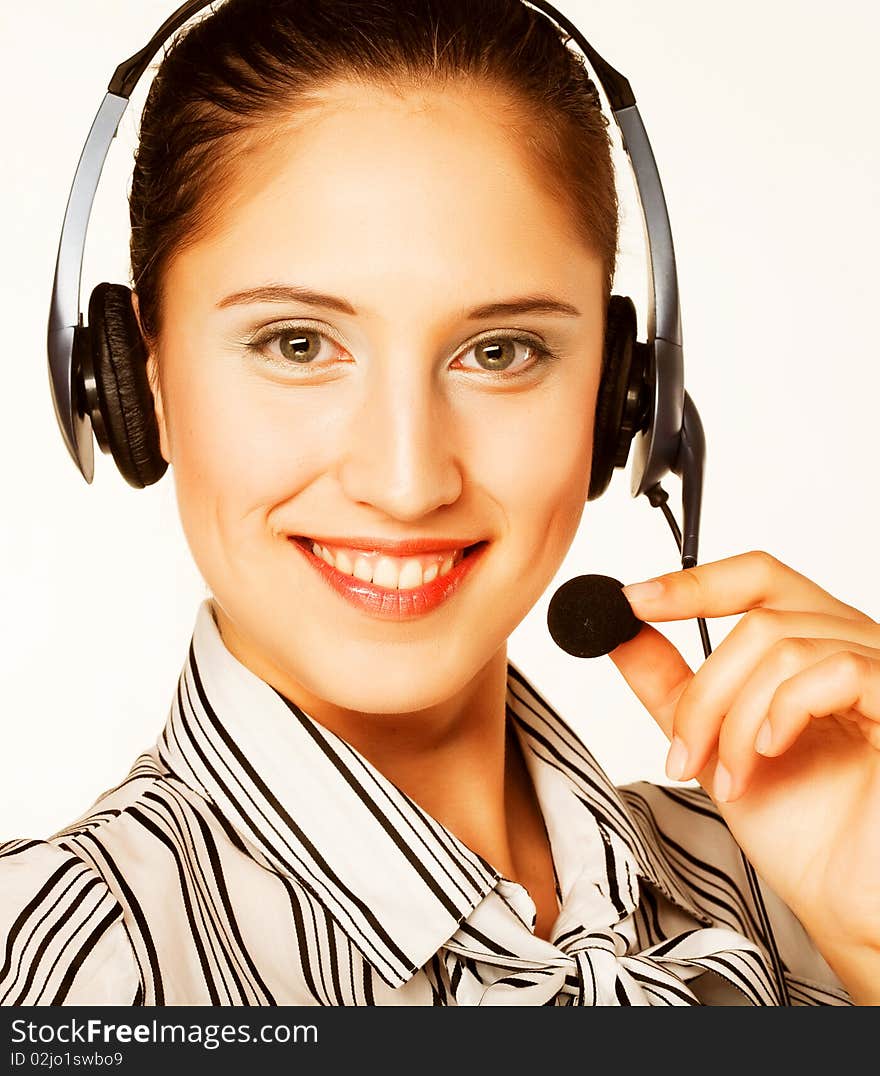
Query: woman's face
[349, 355]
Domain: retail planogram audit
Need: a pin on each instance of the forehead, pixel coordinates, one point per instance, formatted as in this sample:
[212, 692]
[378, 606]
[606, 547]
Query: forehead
[367, 178]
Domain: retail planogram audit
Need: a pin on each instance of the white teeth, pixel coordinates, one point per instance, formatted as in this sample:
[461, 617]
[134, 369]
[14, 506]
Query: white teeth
[393, 573]
[343, 562]
[410, 575]
[386, 573]
[363, 570]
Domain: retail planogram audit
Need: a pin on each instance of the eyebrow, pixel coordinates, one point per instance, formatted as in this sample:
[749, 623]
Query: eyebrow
[277, 293]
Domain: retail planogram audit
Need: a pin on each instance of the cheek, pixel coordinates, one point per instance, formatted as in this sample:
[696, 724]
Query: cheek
[542, 476]
[238, 450]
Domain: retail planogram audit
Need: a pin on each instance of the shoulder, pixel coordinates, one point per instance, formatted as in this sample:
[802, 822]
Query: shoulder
[63, 935]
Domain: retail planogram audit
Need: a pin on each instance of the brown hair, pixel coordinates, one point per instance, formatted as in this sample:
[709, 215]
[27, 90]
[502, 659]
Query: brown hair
[229, 77]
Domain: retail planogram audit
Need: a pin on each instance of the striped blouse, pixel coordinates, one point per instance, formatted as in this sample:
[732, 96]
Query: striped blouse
[252, 857]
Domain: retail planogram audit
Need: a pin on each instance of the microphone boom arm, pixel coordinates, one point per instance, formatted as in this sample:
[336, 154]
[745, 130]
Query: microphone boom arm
[690, 466]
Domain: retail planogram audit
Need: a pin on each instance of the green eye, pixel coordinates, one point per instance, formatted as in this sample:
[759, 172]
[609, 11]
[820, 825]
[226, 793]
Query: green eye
[299, 345]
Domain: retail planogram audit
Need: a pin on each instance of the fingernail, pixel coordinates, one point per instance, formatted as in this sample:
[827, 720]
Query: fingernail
[644, 591]
[764, 738]
[676, 760]
[722, 784]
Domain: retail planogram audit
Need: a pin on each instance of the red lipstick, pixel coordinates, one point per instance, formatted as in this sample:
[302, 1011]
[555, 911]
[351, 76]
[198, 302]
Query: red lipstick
[392, 604]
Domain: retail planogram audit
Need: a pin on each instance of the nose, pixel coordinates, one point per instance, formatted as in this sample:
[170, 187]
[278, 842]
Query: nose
[399, 446]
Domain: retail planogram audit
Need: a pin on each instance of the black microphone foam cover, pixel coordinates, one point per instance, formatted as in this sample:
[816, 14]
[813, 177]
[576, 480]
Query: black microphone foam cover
[589, 616]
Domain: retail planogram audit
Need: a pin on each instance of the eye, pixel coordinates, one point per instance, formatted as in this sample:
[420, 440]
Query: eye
[503, 354]
[300, 345]
[295, 346]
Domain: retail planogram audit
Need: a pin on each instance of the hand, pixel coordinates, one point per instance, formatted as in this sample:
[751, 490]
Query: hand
[781, 726]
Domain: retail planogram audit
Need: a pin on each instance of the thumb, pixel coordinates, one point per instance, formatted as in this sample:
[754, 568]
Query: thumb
[655, 671]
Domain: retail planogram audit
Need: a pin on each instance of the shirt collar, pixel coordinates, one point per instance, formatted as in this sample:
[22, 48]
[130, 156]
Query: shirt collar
[313, 809]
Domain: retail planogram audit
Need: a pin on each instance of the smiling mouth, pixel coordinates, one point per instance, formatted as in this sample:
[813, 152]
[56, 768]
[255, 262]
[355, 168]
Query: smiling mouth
[393, 588]
[389, 572]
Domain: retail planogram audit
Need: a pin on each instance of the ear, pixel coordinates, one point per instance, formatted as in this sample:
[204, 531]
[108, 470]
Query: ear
[155, 382]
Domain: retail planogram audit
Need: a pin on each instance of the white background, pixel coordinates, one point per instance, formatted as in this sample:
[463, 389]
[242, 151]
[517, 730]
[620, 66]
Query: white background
[763, 122]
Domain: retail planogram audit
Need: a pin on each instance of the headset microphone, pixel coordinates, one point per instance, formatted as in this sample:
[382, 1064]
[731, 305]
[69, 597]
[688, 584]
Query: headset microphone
[97, 370]
[589, 616]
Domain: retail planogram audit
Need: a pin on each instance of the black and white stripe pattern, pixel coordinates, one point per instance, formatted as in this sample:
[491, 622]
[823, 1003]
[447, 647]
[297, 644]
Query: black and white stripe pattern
[252, 857]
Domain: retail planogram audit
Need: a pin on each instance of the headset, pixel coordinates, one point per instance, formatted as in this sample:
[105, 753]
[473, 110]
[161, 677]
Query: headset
[98, 376]
[97, 371]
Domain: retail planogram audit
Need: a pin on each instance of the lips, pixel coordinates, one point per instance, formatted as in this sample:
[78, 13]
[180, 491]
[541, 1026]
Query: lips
[406, 570]
[392, 603]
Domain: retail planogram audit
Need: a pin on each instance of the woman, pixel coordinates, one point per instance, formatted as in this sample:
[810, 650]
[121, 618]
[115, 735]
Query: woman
[381, 458]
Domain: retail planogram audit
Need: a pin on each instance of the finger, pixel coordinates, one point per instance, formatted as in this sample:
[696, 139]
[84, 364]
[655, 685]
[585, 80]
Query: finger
[655, 671]
[710, 695]
[797, 680]
[733, 585]
[845, 683]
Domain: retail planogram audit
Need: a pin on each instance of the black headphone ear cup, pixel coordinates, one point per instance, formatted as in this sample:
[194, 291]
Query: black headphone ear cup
[620, 343]
[119, 360]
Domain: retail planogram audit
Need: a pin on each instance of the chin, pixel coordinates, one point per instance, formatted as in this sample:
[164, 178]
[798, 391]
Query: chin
[311, 657]
[390, 682]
